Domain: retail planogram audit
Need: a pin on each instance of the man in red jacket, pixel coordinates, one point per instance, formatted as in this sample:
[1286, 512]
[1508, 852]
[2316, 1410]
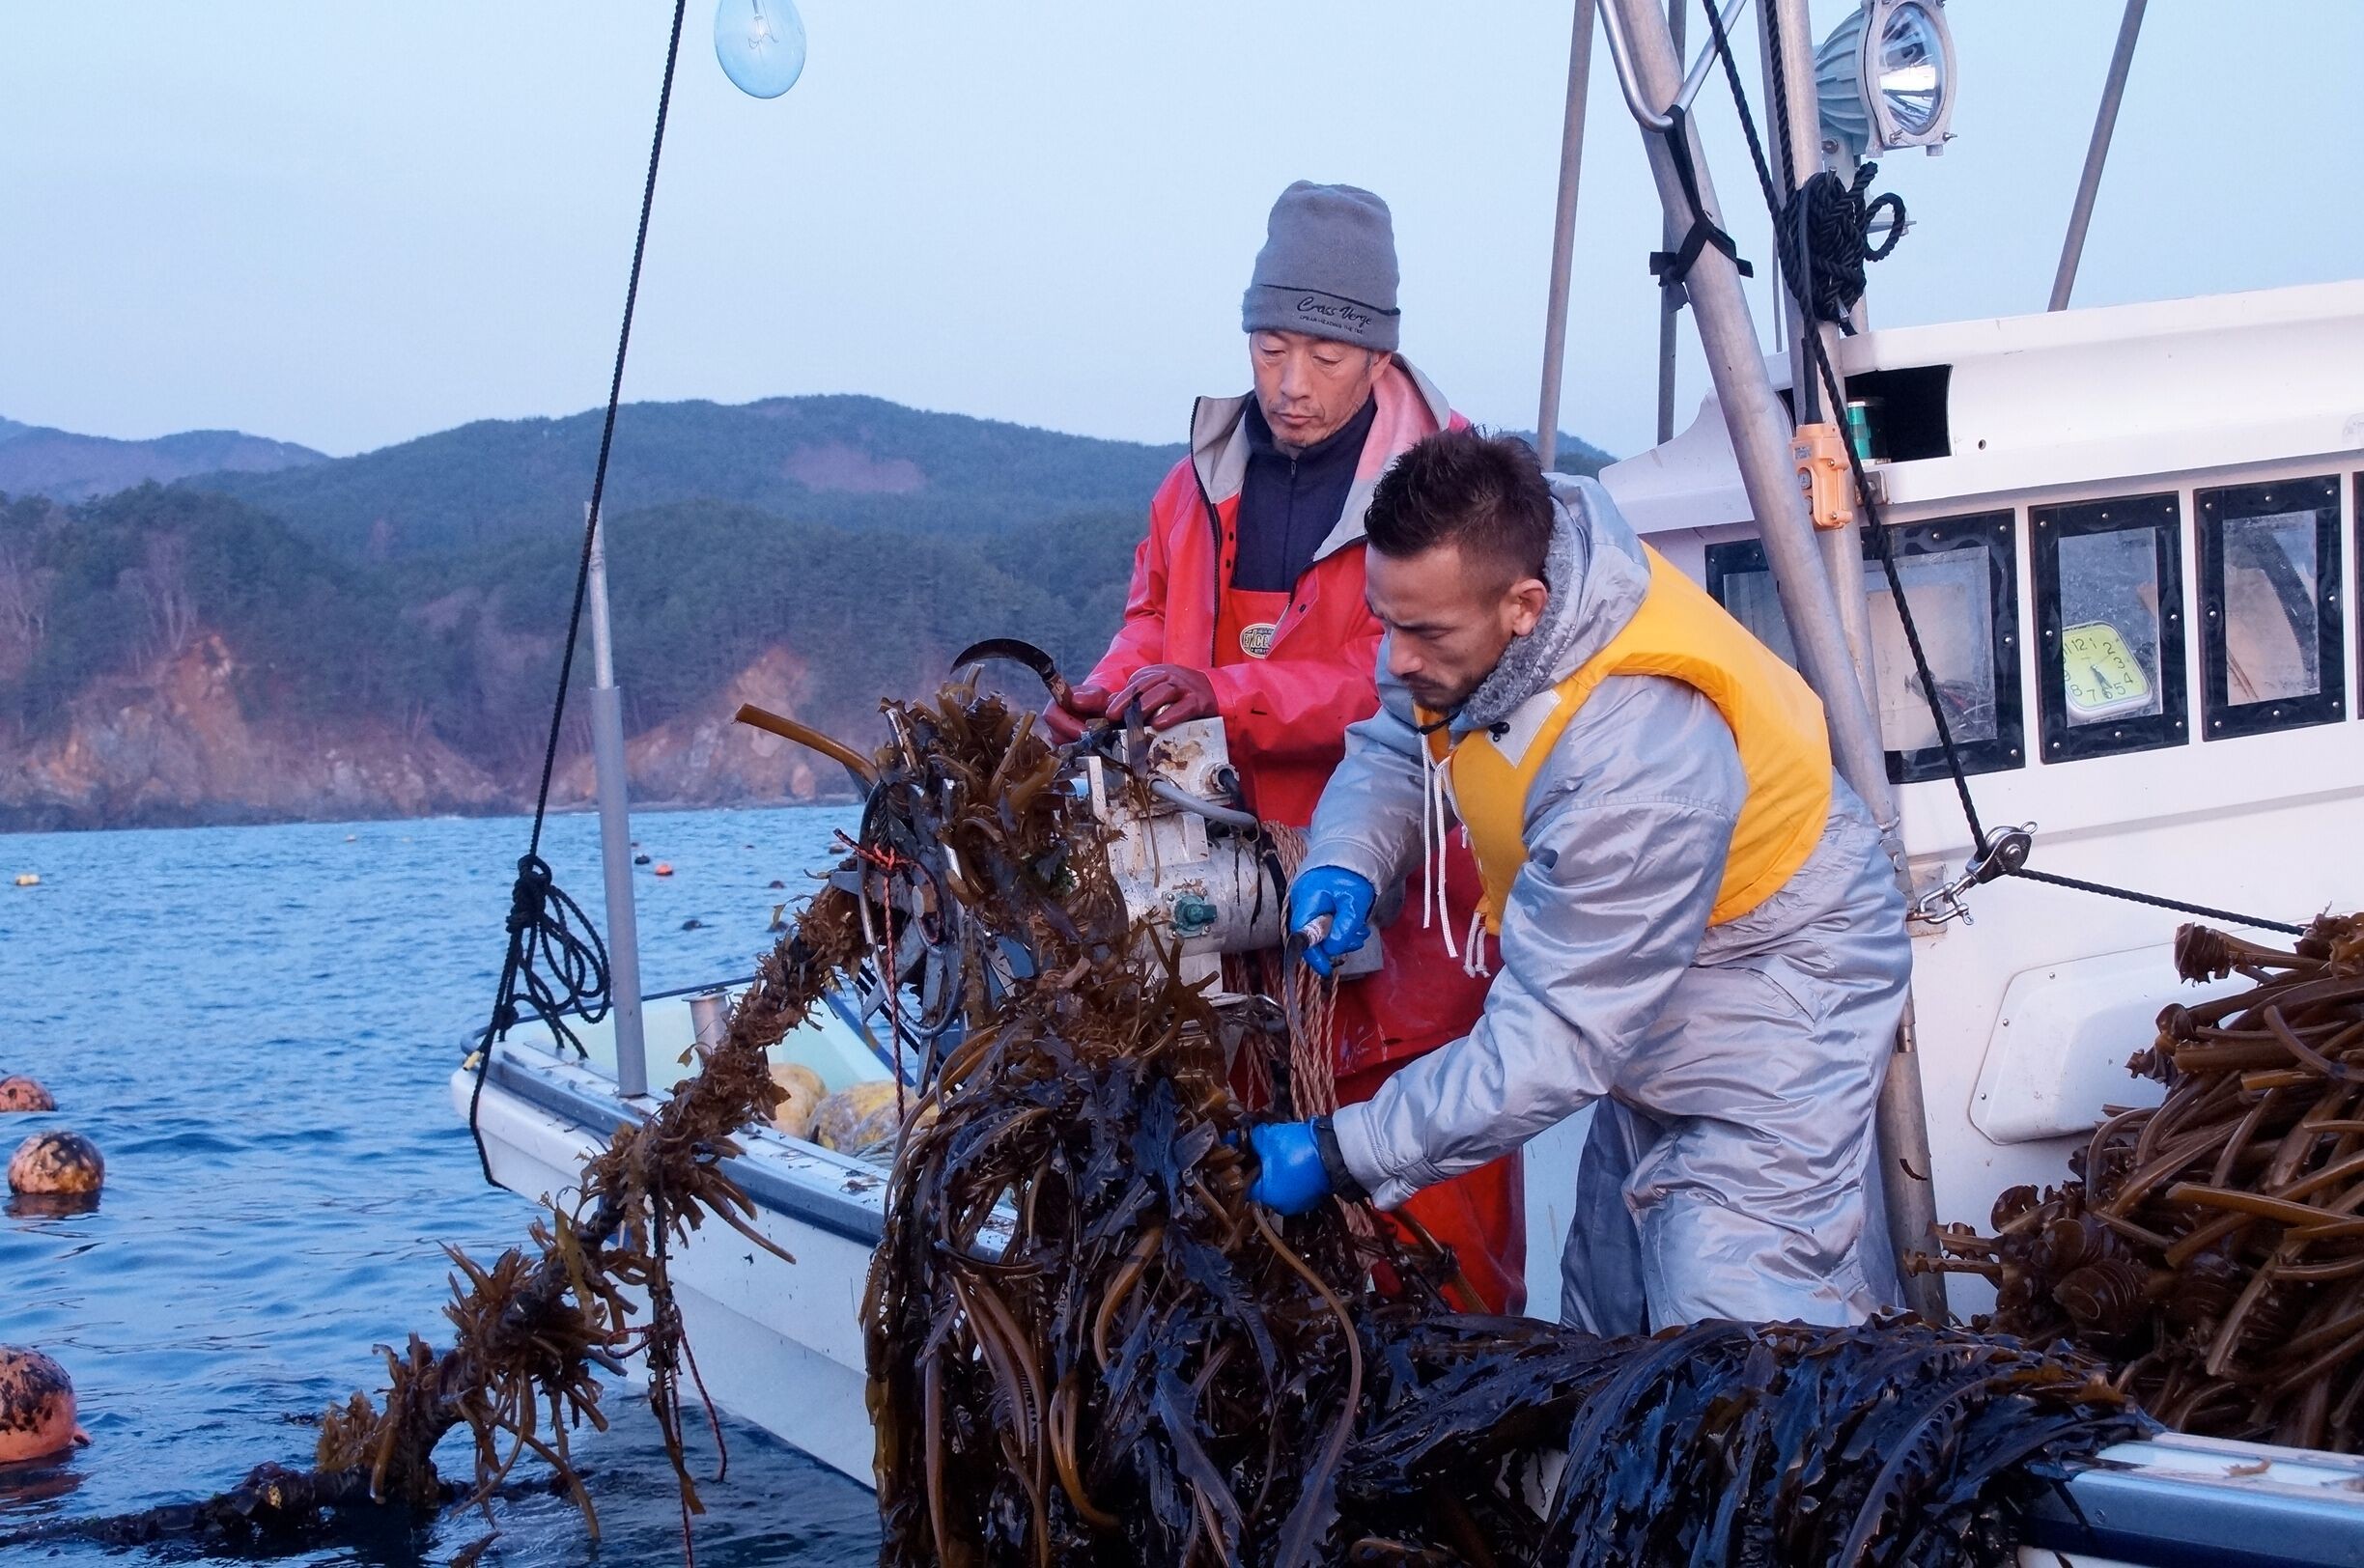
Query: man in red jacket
[1247, 605]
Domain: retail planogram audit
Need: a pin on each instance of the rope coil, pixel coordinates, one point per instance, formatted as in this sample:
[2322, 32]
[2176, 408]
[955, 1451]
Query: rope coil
[1826, 232]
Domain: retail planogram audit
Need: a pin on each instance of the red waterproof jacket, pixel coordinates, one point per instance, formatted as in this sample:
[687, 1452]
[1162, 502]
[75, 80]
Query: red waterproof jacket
[1285, 714]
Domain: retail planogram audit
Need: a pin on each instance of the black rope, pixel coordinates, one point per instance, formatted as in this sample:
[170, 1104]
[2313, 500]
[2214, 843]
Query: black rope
[1883, 547]
[550, 969]
[1671, 267]
[1825, 237]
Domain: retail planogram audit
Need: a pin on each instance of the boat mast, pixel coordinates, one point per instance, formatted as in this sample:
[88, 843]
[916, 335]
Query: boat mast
[1902, 1114]
[2105, 122]
[1670, 303]
[1796, 157]
[1649, 72]
[615, 828]
[1564, 230]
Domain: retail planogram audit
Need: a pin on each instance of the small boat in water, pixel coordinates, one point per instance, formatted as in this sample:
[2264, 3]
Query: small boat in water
[2126, 537]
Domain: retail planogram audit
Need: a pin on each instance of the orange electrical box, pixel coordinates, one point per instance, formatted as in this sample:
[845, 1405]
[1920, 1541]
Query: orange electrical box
[1820, 454]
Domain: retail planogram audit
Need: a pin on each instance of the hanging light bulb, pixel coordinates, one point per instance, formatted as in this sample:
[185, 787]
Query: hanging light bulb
[761, 45]
[1885, 77]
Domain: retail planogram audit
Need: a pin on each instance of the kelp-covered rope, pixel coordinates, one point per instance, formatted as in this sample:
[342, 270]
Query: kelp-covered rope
[2209, 1247]
[556, 967]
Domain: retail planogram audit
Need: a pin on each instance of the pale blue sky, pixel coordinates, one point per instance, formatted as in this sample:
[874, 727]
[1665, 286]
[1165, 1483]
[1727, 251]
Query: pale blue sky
[346, 225]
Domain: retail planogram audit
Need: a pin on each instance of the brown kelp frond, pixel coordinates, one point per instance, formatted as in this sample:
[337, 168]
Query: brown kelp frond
[2212, 1247]
[1892, 1442]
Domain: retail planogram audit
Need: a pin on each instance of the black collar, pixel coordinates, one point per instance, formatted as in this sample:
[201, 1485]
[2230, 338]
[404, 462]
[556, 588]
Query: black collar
[1347, 437]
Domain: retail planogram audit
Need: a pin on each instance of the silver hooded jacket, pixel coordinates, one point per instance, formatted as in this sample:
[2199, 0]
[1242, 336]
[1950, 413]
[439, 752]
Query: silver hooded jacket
[1736, 1067]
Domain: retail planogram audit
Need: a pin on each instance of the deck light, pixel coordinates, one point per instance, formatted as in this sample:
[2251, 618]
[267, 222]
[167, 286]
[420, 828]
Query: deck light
[1885, 77]
[761, 45]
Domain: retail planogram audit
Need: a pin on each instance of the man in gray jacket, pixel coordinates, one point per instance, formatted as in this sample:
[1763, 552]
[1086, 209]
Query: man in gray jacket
[1699, 932]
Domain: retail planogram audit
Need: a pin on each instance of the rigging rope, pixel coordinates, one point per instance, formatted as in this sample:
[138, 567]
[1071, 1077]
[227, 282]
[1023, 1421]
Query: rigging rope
[1883, 544]
[1825, 234]
[553, 969]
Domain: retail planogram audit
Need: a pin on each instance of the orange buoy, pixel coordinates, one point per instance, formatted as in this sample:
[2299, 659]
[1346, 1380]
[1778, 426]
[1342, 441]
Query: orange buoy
[662, 868]
[37, 1406]
[58, 1164]
[20, 1093]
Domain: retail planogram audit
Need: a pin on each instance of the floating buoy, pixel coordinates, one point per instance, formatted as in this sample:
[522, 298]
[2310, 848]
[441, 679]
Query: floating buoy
[28, 878]
[861, 1118]
[775, 883]
[663, 868]
[20, 1093]
[640, 859]
[802, 1087]
[37, 1406]
[56, 1165]
[350, 838]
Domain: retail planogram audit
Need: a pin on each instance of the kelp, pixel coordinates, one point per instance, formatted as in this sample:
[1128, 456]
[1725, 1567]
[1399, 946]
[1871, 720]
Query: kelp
[1085, 1346]
[1892, 1442]
[2212, 1247]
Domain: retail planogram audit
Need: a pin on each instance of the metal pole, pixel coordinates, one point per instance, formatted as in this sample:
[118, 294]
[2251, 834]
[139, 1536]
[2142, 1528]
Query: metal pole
[615, 833]
[2105, 122]
[1564, 230]
[1797, 157]
[1759, 431]
[1670, 301]
[1901, 1124]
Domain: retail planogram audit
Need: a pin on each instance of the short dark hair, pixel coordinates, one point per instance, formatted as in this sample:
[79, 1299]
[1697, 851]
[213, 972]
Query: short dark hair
[1484, 493]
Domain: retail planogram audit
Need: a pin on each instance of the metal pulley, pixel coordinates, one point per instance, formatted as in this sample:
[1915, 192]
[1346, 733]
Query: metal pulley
[2003, 851]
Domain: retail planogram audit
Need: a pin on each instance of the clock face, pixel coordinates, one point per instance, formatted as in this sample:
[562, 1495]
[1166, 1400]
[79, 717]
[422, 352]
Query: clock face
[2103, 677]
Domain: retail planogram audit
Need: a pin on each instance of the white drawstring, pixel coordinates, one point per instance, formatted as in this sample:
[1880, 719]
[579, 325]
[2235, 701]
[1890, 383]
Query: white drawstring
[1434, 843]
[1476, 963]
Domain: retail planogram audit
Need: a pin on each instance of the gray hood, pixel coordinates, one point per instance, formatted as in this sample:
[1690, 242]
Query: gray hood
[1598, 574]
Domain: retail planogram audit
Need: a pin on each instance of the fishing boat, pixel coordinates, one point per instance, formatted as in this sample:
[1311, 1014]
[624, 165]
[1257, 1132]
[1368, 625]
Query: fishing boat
[2124, 540]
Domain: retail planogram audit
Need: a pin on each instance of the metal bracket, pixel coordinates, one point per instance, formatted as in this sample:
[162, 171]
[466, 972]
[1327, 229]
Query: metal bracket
[1630, 83]
[2004, 851]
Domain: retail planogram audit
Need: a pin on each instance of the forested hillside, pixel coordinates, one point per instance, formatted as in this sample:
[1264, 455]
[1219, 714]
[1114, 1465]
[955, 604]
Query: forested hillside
[381, 635]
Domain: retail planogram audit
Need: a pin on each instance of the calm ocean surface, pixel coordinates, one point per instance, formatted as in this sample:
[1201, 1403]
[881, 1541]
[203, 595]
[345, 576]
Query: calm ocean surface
[256, 1026]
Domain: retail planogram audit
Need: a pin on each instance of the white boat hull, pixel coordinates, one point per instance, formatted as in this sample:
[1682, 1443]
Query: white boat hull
[779, 1344]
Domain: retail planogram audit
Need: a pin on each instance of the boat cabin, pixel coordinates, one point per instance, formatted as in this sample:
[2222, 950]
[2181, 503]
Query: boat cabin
[2126, 537]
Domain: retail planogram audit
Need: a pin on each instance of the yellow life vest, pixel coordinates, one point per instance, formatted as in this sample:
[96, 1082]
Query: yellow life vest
[1681, 633]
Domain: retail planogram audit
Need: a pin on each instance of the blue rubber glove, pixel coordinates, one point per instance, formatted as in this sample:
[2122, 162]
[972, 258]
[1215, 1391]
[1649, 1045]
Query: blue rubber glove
[1289, 1174]
[1343, 896]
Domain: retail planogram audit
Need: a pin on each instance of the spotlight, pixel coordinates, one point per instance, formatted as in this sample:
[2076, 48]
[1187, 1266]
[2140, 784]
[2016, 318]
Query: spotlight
[1885, 77]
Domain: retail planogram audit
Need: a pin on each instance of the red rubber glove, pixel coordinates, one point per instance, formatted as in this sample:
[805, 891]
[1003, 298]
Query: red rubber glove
[1065, 720]
[1168, 694]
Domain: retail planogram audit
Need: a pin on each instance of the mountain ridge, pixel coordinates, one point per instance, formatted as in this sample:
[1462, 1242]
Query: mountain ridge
[381, 635]
[65, 465]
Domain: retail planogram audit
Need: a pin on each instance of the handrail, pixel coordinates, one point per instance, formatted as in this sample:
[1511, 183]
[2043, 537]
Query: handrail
[1631, 86]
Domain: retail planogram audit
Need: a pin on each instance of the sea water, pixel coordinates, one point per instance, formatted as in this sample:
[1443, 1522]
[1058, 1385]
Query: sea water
[256, 1026]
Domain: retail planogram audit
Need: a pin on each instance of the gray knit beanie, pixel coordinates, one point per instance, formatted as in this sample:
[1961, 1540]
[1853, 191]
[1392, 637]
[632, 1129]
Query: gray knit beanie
[1327, 269]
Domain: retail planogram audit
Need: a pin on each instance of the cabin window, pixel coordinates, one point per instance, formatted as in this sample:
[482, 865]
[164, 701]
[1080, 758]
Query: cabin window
[2269, 579]
[1962, 584]
[2109, 600]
